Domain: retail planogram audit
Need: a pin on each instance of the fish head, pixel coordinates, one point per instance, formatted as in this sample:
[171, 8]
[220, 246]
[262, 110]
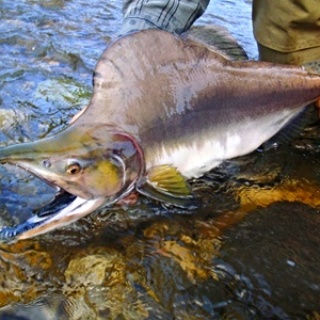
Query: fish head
[96, 166]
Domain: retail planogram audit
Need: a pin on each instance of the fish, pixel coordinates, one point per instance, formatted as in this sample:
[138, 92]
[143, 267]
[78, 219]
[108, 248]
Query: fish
[164, 109]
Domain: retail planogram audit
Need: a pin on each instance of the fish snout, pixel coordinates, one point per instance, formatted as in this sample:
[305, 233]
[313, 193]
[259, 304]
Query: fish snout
[17, 152]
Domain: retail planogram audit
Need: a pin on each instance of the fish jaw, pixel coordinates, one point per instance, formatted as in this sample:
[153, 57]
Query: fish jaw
[41, 224]
[97, 165]
[38, 225]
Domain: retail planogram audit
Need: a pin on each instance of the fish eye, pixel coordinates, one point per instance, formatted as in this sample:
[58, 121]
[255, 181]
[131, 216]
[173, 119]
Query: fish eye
[73, 168]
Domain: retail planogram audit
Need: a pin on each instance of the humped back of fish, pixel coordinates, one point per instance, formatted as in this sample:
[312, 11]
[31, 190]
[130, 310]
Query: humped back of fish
[189, 106]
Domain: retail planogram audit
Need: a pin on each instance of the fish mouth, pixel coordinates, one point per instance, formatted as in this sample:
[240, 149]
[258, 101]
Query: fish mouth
[64, 209]
[61, 200]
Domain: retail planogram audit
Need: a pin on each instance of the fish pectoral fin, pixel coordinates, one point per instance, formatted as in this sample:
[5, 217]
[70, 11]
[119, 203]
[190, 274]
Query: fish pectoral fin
[168, 179]
[166, 184]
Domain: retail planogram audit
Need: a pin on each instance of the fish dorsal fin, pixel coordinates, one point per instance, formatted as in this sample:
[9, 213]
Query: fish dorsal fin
[218, 39]
[166, 184]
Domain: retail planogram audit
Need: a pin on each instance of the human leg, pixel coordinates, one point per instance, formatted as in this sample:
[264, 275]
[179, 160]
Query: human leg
[287, 31]
[171, 15]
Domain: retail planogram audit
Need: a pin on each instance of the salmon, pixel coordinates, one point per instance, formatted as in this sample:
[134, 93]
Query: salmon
[164, 109]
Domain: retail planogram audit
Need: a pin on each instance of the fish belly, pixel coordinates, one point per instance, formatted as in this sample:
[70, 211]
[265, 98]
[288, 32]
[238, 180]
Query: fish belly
[220, 143]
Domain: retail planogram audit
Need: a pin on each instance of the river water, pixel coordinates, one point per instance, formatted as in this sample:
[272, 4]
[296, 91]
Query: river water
[251, 252]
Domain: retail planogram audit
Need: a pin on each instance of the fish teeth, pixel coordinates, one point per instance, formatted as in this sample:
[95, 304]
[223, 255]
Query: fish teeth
[8, 233]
